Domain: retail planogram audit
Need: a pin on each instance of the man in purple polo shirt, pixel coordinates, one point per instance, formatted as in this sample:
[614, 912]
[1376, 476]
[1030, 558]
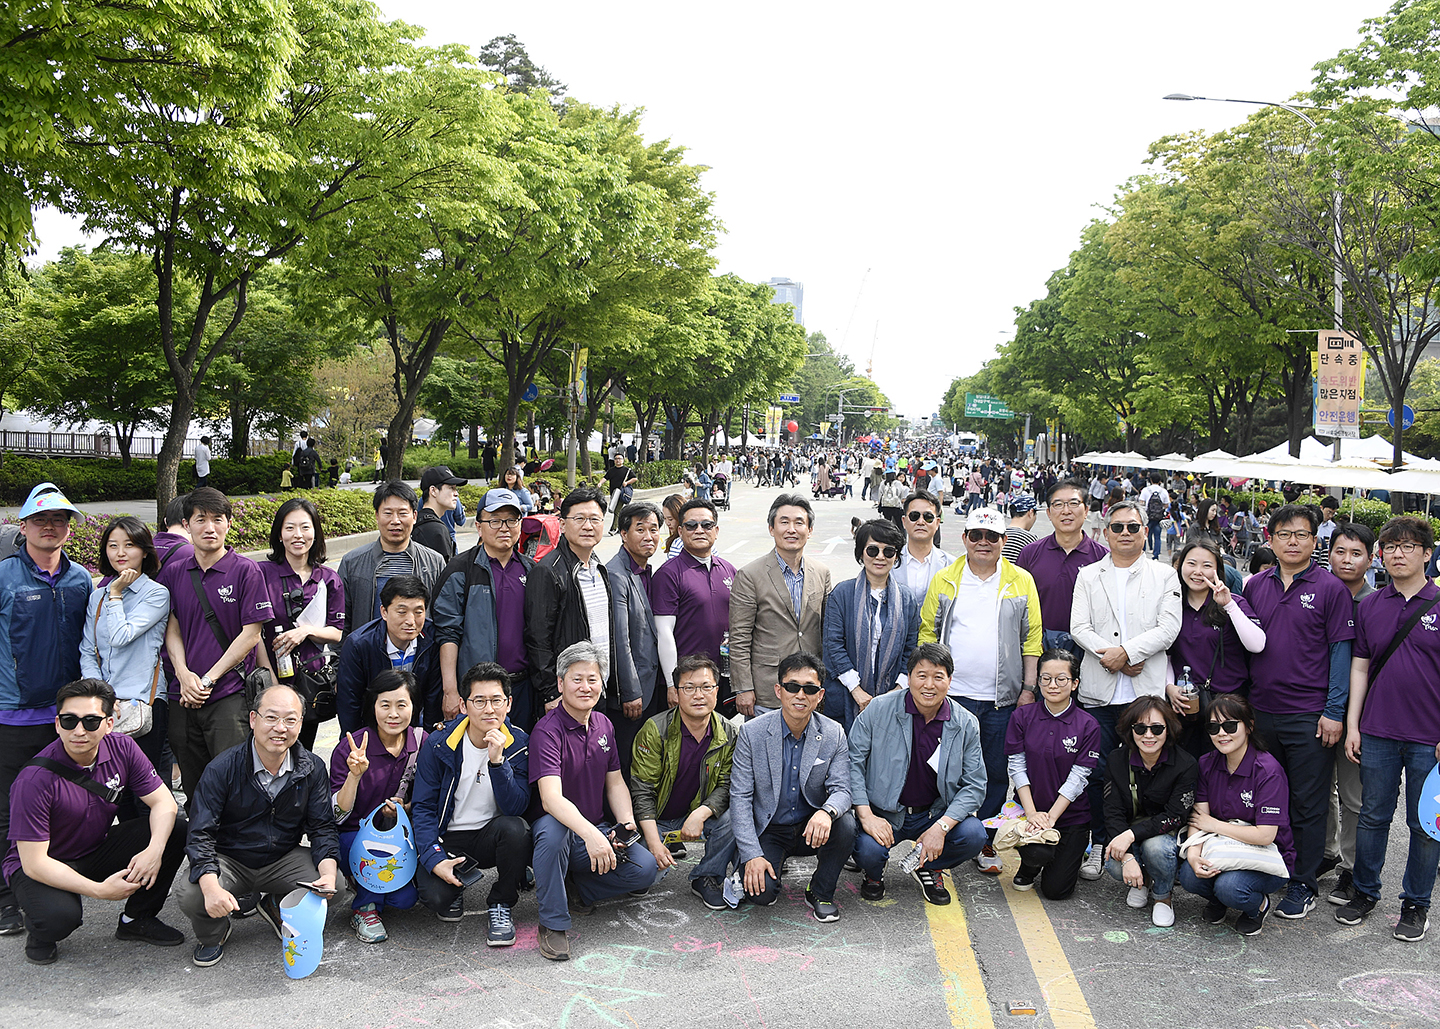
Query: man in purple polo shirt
[1300, 684]
[575, 763]
[218, 606]
[1054, 562]
[1393, 723]
[690, 594]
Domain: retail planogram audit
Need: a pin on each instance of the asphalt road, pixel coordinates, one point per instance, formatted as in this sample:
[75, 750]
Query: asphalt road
[665, 960]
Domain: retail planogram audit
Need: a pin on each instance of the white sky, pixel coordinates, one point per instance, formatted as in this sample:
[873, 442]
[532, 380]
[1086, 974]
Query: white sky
[953, 150]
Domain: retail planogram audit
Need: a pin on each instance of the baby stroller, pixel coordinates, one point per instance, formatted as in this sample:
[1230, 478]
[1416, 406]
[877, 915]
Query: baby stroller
[720, 491]
[837, 489]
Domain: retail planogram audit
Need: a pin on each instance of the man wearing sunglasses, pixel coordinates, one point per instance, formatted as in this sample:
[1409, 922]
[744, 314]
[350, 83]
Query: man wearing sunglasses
[1125, 614]
[987, 611]
[920, 517]
[690, 594]
[64, 845]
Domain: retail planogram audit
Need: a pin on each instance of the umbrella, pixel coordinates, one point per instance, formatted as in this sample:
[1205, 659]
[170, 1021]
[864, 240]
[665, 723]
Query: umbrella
[547, 464]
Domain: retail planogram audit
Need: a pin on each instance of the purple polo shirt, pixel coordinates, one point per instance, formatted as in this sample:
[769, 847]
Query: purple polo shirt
[508, 582]
[1052, 745]
[921, 788]
[1292, 674]
[1403, 702]
[580, 755]
[380, 782]
[644, 574]
[1258, 793]
[44, 806]
[698, 598]
[688, 773]
[1225, 666]
[237, 592]
[1054, 572]
[281, 579]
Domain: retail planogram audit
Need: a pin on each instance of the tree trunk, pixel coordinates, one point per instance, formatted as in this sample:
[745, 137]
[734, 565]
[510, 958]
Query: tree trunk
[167, 465]
[745, 429]
[123, 442]
[474, 450]
[239, 428]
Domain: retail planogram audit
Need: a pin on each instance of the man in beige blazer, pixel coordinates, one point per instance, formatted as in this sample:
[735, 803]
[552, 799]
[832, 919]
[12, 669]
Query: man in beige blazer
[777, 606]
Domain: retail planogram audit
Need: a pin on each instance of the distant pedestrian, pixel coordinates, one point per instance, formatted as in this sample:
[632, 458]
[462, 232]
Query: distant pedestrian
[202, 462]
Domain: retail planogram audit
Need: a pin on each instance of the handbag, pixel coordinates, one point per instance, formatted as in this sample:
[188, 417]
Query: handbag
[132, 717]
[1230, 855]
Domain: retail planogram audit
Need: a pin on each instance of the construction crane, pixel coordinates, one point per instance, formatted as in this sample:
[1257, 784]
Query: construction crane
[870, 364]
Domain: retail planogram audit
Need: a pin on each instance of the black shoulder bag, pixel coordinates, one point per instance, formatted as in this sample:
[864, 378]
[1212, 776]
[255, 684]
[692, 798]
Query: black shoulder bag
[79, 778]
[1410, 623]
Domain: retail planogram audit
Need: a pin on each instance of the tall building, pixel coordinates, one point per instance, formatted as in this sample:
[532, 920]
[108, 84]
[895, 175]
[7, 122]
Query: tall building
[788, 291]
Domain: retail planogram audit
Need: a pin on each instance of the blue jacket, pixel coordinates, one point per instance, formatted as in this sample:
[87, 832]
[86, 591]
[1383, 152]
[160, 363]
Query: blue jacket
[464, 607]
[363, 656]
[40, 630]
[437, 770]
[839, 643]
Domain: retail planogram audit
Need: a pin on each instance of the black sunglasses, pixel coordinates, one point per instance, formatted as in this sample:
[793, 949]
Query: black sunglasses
[692, 526]
[809, 688]
[875, 550]
[92, 722]
[1229, 728]
[988, 535]
[915, 516]
[1141, 728]
[1120, 528]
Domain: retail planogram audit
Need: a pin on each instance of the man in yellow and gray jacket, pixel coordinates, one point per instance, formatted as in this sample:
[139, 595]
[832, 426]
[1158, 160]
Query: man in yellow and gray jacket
[987, 611]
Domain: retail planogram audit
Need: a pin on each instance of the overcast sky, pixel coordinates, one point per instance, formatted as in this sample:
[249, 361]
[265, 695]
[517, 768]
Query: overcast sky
[954, 151]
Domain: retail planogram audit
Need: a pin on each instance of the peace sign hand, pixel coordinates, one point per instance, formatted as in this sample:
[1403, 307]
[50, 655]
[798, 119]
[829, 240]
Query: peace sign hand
[1220, 592]
[357, 760]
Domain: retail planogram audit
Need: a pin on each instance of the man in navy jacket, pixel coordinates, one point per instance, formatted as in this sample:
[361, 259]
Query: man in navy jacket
[402, 637]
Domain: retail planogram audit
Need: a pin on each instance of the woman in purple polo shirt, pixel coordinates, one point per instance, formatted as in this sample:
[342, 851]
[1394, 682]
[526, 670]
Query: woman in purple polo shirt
[294, 575]
[1242, 793]
[374, 767]
[1217, 631]
[1052, 750]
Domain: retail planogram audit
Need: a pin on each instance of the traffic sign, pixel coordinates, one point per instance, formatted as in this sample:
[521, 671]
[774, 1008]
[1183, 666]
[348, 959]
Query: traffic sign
[983, 405]
[1407, 417]
[531, 392]
[788, 398]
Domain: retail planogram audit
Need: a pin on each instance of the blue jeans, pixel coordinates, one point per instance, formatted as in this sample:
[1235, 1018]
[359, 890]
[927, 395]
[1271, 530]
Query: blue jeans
[559, 852]
[962, 843]
[719, 844]
[1381, 761]
[1242, 889]
[1159, 856]
[1061, 638]
[1153, 533]
[1106, 715]
[403, 899]
[994, 721]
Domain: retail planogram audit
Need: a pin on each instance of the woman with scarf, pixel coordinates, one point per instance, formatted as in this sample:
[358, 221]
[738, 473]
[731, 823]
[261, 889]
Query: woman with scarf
[871, 625]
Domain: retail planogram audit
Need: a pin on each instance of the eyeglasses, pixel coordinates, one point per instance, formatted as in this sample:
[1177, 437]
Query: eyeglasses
[1399, 547]
[1058, 680]
[586, 520]
[1120, 528]
[875, 550]
[1067, 503]
[988, 535]
[92, 722]
[692, 688]
[489, 702]
[810, 688]
[289, 721]
[504, 523]
[1229, 728]
[704, 526]
[1298, 535]
[915, 516]
[1141, 728]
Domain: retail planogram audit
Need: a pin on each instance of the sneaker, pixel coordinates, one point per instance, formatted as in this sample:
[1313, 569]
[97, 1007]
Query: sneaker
[269, 909]
[932, 884]
[1354, 910]
[988, 861]
[248, 904]
[1094, 860]
[206, 954]
[1025, 878]
[1414, 920]
[1298, 902]
[455, 911]
[1327, 865]
[367, 925]
[11, 921]
[1344, 891]
[1250, 925]
[851, 865]
[1162, 914]
[677, 850]
[38, 953]
[149, 930]
[554, 944]
[707, 888]
[502, 927]
[640, 893]
[872, 889]
[1214, 912]
[825, 910]
[1137, 897]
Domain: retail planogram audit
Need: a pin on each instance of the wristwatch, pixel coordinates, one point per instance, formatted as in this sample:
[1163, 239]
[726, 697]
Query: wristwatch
[834, 815]
[206, 682]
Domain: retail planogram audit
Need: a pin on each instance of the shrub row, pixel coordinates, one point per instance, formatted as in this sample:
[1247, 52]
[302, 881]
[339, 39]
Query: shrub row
[91, 479]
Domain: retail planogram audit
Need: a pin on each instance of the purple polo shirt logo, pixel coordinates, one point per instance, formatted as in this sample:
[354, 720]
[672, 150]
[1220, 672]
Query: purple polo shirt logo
[113, 782]
[728, 581]
[604, 742]
[1248, 798]
[226, 593]
[1070, 742]
[1429, 622]
[1306, 601]
[1269, 810]
[522, 580]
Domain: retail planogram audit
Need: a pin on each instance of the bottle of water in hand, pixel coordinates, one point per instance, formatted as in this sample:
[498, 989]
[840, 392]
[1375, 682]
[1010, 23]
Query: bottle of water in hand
[1188, 691]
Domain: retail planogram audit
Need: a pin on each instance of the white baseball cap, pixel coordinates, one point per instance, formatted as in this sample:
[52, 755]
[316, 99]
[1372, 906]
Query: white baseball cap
[985, 518]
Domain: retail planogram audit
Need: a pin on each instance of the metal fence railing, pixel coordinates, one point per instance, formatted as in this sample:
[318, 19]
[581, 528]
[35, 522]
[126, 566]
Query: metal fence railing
[82, 444]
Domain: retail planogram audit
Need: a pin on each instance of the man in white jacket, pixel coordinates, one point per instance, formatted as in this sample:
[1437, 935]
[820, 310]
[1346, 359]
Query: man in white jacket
[1125, 614]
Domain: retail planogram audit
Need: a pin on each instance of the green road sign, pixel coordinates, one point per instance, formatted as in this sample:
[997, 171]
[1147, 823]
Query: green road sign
[983, 405]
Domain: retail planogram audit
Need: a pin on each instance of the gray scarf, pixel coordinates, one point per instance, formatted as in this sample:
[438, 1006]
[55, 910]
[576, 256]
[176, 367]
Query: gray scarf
[892, 638]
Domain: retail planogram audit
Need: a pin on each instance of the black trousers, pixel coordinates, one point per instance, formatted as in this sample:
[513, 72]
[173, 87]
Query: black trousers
[1057, 863]
[502, 844]
[626, 729]
[18, 744]
[52, 914]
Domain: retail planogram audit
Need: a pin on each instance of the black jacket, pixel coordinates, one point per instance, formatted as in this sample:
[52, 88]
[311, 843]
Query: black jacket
[555, 617]
[230, 814]
[431, 531]
[1167, 793]
[363, 656]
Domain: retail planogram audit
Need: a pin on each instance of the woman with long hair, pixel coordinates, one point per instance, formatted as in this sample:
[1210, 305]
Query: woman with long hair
[513, 479]
[1206, 524]
[671, 508]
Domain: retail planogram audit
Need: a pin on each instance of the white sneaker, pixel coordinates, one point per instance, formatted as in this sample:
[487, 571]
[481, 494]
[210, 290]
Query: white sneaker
[1162, 914]
[1090, 869]
[988, 861]
[1138, 897]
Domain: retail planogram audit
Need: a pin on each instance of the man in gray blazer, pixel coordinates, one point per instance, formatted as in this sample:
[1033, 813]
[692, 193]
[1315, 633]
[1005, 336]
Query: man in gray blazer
[364, 571]
[637, 653]
[790, 790]
[777, 606]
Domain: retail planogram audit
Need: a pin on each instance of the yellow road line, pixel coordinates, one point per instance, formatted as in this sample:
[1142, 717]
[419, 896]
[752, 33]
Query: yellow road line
[964, 986]
[1063, 997]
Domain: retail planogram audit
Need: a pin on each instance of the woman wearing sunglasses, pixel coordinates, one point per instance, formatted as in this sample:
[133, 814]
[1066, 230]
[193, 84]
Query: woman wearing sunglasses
[871, 625]
[1242, 793]
[1149, 787]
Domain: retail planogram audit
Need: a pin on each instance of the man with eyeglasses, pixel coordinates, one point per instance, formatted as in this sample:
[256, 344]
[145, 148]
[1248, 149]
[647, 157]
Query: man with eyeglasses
[65, 844]
[402, 637]
[920, 517]
[988, 610]
[690, 594]
[777, 604]
[1300, 685]
[1056, 560]
[251, 809]
[680, 779]
[479, 607]
[790, 791]
[472, 789]
[1124, 615]
[638, 694]
[568, 597]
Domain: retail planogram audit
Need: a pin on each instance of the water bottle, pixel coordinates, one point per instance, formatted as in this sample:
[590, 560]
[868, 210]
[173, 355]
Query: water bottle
[725, 660]
[284, 663]
[1187, 689]
[911, 861]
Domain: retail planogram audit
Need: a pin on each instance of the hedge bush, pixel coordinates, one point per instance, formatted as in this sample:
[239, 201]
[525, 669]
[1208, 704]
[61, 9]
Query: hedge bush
[90, 479]
[1371, 513]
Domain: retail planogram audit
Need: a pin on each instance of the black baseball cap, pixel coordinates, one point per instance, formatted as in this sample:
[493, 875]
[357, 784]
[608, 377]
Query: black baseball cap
[438, 475]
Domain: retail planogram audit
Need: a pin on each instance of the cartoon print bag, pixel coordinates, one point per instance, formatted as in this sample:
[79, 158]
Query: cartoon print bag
[302, 922]
[383, 860]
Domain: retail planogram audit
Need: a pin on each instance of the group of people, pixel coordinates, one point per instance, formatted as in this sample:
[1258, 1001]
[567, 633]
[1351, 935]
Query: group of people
[572, 723]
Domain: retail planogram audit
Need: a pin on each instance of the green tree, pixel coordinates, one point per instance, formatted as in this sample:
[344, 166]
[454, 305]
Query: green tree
[461, 395]
[507, 56]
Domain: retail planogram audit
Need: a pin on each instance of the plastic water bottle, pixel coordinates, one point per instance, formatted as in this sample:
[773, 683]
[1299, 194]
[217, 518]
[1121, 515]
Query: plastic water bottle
[725, 656]
[285, 662]
[911, 861]
[1186, 686]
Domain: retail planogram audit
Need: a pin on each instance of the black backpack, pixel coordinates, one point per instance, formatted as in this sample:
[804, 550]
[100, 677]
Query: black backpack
[1155, 507]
